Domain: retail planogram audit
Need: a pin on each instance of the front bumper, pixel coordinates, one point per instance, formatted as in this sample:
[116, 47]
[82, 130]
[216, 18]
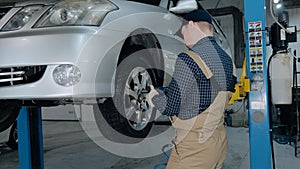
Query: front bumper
[91, 49]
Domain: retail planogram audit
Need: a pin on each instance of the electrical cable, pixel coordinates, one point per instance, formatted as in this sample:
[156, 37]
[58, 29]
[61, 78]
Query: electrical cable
[217, 4]
[268, 76]
[270, 115]
[274, 18]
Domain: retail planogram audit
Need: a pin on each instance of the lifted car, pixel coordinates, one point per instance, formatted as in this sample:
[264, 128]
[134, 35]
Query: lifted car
[101, 52]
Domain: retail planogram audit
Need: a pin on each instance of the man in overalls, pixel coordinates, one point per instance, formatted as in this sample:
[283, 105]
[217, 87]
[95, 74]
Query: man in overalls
[197, 97]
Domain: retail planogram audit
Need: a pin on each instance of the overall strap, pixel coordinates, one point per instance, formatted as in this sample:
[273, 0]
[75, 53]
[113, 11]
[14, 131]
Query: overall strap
[202, 65]
[205, 69]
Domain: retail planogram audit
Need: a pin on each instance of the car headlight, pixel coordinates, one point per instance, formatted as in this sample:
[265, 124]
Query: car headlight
[76, 12]
[21, 18]
[66, 75]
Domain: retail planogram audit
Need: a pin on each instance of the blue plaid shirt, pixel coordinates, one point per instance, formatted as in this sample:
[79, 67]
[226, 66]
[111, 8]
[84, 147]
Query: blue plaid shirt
[190, 92]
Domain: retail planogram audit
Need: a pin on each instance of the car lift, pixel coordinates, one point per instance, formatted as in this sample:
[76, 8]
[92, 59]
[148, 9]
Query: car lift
[30, 138]
[30, 124]
[259, 122]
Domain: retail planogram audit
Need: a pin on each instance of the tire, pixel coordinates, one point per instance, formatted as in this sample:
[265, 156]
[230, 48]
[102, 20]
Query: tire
[9, 111]
[128, 112]
[13, 137]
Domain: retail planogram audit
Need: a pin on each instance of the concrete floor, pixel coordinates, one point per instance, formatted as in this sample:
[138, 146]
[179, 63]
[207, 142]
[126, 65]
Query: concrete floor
[66, 146]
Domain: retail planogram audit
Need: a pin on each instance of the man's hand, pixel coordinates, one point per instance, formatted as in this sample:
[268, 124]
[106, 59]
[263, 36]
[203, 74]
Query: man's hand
[151, 94]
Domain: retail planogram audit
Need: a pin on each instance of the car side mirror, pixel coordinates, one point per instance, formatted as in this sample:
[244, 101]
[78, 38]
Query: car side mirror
[184, 6]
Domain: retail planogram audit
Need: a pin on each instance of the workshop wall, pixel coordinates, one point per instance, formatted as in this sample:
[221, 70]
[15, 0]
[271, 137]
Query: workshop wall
[239, 112]
[210, 4]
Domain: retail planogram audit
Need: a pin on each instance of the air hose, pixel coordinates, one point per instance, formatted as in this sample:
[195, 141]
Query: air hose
[157, 166]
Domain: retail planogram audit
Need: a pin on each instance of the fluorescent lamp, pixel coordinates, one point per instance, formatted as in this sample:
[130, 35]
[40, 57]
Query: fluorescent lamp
[278, 6]
[276, 1]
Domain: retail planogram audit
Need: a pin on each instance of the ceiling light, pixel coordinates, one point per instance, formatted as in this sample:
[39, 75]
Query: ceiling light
[276, 1]
[278, 6]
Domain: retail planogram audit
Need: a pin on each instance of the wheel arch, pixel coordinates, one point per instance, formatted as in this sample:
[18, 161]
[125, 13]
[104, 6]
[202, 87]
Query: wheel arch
[140, 39]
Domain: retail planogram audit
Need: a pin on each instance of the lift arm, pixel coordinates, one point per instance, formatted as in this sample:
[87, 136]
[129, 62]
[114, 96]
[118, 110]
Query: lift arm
[241, 88]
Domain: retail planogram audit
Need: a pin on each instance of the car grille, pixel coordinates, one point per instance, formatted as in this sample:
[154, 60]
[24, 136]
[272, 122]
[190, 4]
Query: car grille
[20, 75]
[3, 11]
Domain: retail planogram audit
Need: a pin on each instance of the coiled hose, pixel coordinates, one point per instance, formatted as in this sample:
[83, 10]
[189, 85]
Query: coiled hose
[165, 155]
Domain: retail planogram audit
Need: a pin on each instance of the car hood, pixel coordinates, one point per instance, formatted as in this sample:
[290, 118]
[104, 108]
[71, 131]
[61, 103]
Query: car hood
[44, 46]
[44, 2]
[4, 3]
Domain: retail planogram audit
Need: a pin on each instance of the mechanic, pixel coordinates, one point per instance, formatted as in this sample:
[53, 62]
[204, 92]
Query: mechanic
[197, 97]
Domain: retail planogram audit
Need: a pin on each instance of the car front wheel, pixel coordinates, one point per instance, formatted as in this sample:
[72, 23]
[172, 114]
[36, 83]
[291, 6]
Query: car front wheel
[9, 111]
[13, 137]
[128, 112]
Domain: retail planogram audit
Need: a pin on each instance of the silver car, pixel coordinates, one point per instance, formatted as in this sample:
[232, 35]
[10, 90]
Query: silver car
[101, 52]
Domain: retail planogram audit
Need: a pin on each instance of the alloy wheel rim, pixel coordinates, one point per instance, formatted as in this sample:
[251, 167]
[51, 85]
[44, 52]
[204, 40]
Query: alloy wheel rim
[137, 110]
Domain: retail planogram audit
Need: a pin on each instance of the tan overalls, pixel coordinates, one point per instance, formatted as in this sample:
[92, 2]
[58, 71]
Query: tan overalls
[201, 142]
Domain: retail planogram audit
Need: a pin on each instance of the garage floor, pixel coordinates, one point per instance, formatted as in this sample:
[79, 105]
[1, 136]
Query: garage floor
[66, 146]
